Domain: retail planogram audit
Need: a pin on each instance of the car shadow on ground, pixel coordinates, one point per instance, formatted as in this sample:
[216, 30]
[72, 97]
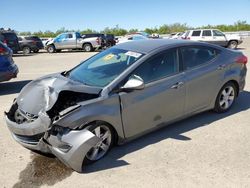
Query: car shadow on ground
[75, 51]
[7, 88]
[24, 55]
[48, 171]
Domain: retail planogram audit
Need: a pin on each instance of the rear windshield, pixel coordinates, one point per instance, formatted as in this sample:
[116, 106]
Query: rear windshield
[33, 38]
[110, 36]
[10, 36]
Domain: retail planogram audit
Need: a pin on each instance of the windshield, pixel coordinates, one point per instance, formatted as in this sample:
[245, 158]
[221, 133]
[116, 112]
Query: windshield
[103, 68]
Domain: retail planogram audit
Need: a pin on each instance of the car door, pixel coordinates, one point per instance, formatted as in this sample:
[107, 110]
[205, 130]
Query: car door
[70, 41]
[202, 76]
[162, 99]
[207, 36]
[196, 35]
[219, 38]
[60, 41]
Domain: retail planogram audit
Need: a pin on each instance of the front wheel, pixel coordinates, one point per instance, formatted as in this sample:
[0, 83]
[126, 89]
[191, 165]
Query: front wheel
[225, 98]
[232, 44]
[51, 49]
[106, 133]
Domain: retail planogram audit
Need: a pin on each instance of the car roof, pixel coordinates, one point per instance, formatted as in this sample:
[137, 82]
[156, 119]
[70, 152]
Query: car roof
[146, 46]
[202, 29]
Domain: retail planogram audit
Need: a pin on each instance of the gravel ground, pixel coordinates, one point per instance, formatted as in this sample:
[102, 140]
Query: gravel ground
[207, 150]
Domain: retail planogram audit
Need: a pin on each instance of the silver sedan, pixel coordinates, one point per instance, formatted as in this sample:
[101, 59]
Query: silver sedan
[122, 93]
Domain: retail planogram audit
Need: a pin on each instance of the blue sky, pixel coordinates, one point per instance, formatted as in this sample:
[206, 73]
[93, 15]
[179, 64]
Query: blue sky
[35, 15]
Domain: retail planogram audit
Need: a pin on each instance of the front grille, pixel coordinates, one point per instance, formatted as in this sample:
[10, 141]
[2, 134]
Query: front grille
[34, 139]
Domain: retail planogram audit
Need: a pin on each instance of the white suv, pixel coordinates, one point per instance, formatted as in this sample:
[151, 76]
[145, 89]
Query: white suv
[213, 36]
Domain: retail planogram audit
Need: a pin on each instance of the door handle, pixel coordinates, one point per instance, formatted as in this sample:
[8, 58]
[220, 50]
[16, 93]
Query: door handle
[221, 67]
[177, 85]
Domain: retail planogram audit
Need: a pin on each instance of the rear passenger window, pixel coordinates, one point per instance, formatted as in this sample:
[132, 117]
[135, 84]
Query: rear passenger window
[160, 66]
[206, 33]
[196, 33]
[70, 36]
[193, 56]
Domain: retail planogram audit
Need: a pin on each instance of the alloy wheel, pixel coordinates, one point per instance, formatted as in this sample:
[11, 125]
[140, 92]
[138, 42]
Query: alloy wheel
[102, 147]
[227, 97]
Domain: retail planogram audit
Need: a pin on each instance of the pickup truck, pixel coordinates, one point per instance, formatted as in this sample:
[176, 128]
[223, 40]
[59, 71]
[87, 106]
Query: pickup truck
[213, 36]
[72, 40]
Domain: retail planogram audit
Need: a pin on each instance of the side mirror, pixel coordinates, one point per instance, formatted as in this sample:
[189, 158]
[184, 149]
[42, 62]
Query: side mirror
[134, 83]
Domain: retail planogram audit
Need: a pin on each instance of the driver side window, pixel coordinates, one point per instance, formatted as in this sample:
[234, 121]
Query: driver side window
[62, 36]
[217, 33]
[158, 67]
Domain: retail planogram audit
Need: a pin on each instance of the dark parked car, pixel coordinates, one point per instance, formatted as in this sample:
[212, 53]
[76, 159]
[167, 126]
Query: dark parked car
[122, 93]
[110, 40]
[8, 69]
[9, 38]
[30, 43]
[107, 40]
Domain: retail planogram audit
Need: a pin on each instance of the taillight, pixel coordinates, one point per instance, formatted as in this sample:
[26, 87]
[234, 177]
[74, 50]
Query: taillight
[242, 60]
[3, 51]
[98, 40]
[5, 41]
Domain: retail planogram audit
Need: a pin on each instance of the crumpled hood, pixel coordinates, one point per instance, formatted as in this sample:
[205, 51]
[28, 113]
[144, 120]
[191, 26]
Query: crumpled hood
[41, 94]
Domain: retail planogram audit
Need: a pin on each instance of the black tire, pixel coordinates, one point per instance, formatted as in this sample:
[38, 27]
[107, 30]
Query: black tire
[87, 47]
[36, 51]
[51, 49]
[220, 106]
[103, 127]
[232, 44]
[26, 50]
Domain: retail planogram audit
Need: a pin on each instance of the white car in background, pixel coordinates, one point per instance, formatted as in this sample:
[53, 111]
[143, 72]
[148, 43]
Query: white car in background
[213, 36]
[176, 35]
[129, 38]
[45, 40]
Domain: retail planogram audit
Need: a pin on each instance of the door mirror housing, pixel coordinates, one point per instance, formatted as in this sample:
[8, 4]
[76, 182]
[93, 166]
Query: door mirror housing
[134, 83]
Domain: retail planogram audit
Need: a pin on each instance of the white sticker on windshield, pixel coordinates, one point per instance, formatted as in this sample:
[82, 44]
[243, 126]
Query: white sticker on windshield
[133, 54]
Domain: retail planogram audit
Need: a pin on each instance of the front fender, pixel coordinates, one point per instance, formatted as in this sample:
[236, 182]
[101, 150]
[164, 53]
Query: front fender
[100, 109]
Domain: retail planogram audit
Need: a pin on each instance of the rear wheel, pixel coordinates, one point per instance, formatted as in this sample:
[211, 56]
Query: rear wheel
[225, 98]
[26, 50]
[87, 47]
[232, 44]
[106, 133]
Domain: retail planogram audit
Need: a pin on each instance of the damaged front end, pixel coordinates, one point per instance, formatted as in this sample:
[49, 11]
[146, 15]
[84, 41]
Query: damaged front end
[33, 116]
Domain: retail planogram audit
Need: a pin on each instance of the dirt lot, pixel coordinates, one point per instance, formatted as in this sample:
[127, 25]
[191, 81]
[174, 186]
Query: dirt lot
[208, 150]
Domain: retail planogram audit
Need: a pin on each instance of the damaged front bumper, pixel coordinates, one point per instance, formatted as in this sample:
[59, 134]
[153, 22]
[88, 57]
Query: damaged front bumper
[70, 147]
